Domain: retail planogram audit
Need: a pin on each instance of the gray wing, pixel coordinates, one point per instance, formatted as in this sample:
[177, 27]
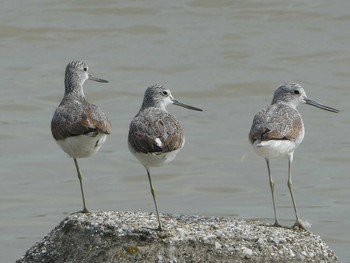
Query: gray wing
[277, 122]
[79, 120]
[155, 131]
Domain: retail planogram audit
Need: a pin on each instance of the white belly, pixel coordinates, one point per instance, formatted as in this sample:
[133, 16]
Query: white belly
[82, 146]
[154, 159]
[274, 148]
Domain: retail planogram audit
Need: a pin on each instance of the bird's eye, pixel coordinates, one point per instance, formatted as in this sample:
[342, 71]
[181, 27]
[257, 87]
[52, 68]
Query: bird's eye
[296, 92]
[164, 93]
[85, 69]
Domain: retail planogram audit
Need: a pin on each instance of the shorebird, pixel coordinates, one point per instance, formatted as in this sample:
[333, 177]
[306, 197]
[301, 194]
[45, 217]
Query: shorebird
[79, 127]
[155, 135]
[278, 130]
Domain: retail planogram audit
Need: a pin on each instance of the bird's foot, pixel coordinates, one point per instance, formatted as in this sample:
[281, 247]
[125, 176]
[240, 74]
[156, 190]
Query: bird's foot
[298, 225]
[273, 225]
[84, 211]
[277, 224]
[159, 228]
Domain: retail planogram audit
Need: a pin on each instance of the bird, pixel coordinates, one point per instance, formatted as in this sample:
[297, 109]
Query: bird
[155, 135]
[278, 130]
[79, 127]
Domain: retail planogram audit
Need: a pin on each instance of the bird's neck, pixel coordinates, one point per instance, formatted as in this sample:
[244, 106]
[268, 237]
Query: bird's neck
[75, 91]
[153, 108]
[287, 104]
[153, 104]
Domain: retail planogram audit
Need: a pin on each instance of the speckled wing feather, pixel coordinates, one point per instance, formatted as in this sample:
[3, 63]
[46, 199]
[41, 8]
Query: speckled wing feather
[277, 122]
[153, 131]
[79, 120]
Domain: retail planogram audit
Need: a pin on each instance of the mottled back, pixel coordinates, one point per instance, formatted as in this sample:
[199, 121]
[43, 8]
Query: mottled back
[276, 122]
[74, 118]
[155, 131]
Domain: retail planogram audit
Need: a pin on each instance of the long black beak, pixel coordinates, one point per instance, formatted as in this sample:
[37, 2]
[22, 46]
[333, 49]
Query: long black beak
[97, 79]
[178, 103]
[319, 105]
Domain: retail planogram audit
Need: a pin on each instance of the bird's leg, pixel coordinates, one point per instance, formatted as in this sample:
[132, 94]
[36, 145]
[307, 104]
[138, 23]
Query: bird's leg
[297, 223]
[160, 228]
[272, 187]
[85, 210]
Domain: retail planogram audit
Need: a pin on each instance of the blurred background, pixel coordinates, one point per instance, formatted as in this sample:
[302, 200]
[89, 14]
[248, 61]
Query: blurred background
[226, 57]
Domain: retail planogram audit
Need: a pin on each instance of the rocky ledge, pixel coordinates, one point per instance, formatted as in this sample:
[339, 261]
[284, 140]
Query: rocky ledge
[129, 237]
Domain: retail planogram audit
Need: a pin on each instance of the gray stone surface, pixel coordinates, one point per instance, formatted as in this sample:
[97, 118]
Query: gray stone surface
[128, 237]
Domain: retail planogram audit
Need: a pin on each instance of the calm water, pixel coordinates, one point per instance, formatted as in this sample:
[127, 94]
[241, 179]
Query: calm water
[226, 57]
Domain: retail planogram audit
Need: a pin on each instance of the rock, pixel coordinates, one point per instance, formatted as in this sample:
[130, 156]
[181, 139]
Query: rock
[129, 237]
[218, 245]
[247, 252]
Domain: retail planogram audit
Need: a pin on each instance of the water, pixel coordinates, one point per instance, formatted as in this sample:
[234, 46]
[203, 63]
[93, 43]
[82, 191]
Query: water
[226, 57]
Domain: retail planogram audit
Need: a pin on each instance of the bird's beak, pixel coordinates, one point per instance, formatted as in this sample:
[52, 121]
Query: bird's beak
[319, 105]
[178, 103]
[97, 79]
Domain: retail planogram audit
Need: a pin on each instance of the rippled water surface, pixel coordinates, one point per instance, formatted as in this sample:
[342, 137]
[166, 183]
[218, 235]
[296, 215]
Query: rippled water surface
[226, 57]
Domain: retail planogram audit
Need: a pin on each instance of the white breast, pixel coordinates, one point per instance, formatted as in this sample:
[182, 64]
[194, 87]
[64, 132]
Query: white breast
[154, 159]
[82, 146]
[274, 148]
